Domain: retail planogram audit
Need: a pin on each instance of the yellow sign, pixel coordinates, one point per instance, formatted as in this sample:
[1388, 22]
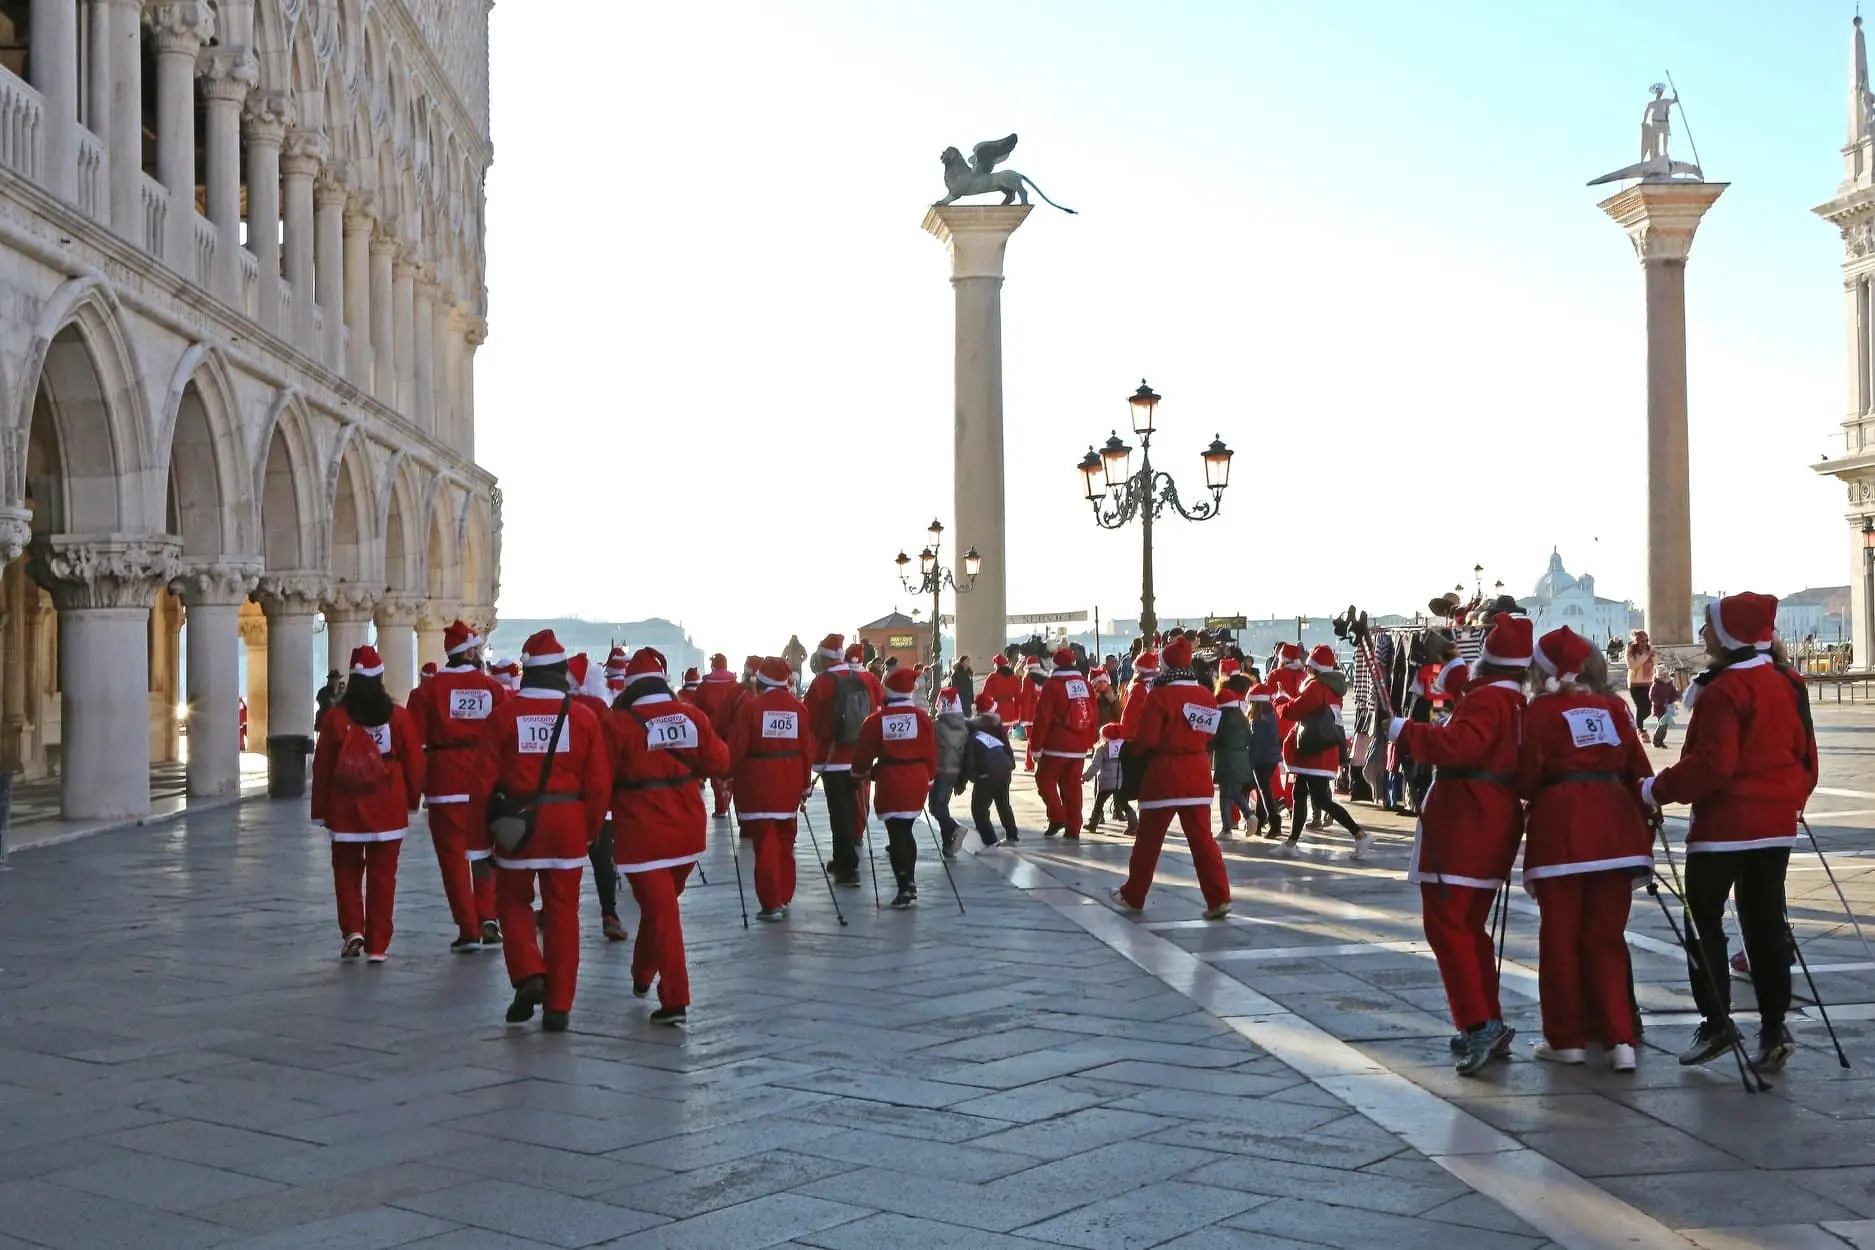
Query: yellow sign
[901, 642]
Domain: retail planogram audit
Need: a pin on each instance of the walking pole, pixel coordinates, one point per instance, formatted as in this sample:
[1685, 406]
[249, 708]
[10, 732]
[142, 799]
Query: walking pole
[1500, 923]
[824, 874]
[865, 833]
[944, 860]
[736, 857]
[1690, 942]
[1821, 1010]
[1840, 896]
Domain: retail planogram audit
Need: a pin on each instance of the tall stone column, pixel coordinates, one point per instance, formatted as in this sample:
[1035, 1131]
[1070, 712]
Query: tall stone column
[123, 57]
[397, 644]
[383, 351]
[359, 223]
[403, 329]
[472, 338]
[53, 67]
[103, 590]
[329, 199]
[300, 161]
[228, 74]
[425, 412]
[269, 113]
[291, 601]
[450, 327]
[1660, 218]
[348, 622]
[179, 30]
[977, 236]
[253, 626]
[214, 593]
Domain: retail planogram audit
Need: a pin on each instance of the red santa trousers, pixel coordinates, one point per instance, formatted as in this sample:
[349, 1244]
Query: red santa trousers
[1058, 781]
[1195, 822]
[658, 954]
[774, 860]
[719, 796]
[559, 922]
[1458, 928]
[364, 876]
[449, 835]
[1582, 974]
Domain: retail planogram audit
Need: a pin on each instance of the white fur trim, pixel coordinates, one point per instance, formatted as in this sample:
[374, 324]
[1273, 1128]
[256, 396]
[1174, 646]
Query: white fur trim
[833, 768]
[539, 865]
[1064, 755]
[468, 644]
[538, 692]
[1756, 844]
[1162, 803]
[389, 835]
[655, 864]
[1416, 877]
[1717, 621]
[748, 816]
[544, 659]
[1315, 772]
[1506, 661]
[894, 699]
[654, 698]
[475, 855]
[1647, 793]
[435, 800]
[836, 656]
[770, 682]
[1590, 865]
[1438, 683]
[367, 672]
[901, 815]
[1320, 668]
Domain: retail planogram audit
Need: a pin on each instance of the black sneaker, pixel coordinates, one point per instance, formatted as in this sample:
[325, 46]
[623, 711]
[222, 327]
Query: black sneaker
[462, 945]
[848, 881]
[1011, 838]
[1711, 1041]
[1503, 1042]
[529, 994]
[1053, 829]
[640, 989]
[1774, 1047]
[553, 1021]
[905, 898]
[491, 933]
[671, 1016]
[953, 842]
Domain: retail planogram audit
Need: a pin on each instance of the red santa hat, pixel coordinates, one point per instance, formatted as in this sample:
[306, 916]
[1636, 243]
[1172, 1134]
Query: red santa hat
[692, 679]
[511, 667]
[773, 673]
[1099, 680]
[1110, 731]
[1561, 653]
[615, 662]
[1034, 661]
[366, 663]
[1290, 653]
[645, 662]
[458, 637]
[1147, 663]
[1259, 693]
[985, 703]
[1508, 643]
[1002, 663]
[542, 649]
[833, 647]
[1744, 620]
[1229, 667]
[428, 670]
[856, 654]
[577, 666]
[902, 681]
[718, 661]
[1065, 658]
[1177, 653]
[948, 700]
[751, 664]
[1322, 658]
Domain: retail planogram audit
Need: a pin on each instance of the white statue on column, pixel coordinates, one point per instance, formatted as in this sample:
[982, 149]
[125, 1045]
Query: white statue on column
[1655, 164]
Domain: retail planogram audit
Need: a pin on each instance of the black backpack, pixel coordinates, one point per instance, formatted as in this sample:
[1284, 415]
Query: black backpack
[852, 704]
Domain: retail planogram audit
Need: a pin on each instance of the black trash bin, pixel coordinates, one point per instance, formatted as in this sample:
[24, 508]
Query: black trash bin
[287, 759]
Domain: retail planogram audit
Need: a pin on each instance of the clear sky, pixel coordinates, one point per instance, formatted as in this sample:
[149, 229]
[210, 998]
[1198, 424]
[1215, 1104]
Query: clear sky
[1354, 241]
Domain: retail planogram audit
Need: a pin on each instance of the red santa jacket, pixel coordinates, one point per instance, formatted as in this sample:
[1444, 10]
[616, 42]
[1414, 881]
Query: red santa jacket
[1473, 820]
[1311, 698]
[1065, 699]
[381, 814]
[768, 754]
[898, 750]
[715, 690]
[579, 777]
[829, 755]
[1285, 685]
[1006, 688]
[1580, 771]
[661, 748]
[450, 711]
[1177, 721]
[1449, 682]
[1749, 763]
[726, 716]
[1030, 696]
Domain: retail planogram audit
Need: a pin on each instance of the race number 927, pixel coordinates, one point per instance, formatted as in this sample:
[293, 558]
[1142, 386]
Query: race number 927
[899, 727]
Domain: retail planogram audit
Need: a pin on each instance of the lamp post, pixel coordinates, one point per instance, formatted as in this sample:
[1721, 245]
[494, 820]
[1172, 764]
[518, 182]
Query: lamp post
[1118, 495]
[1477, 578]
[932, 579]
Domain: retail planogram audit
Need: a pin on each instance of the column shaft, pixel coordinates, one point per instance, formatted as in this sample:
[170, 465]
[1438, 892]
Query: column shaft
[423, 408]
[299, 163]
[1669, 495]
[383, 354]
[123, 21]
[358, 298]
[221, 180]
[397, 647]
[345, 633]
[404, 309]
[291, 686]
[263, 212]
[53, 62]
[214, 699]
[254, 638]
[104, 703]
[97, 113]
[329, 270]
[978, 487]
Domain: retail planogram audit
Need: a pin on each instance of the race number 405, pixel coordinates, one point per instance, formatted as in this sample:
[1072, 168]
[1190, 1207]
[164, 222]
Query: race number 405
[781, 725]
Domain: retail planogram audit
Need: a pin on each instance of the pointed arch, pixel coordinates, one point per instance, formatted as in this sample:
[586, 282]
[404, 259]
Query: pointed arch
[403, 540]
[287, 498]
[203, 461]
[356, 550]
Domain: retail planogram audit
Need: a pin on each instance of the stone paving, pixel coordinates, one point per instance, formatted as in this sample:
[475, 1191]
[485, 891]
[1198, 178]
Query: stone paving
[184, 1063]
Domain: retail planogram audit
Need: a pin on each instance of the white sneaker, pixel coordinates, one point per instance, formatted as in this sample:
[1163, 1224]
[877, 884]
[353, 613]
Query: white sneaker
[1217, 913]
[376, 959]
[1546, 1053]
[1621, 1058]
[1119, 900]
[1362, 842]
[1285, 850]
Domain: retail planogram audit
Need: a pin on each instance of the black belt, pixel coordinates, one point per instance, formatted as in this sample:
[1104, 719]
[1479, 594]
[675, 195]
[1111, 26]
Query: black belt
[773, 755]
[548, 800]
[448, 746]
[1474, 774]
[1565, 778]
[661, 783]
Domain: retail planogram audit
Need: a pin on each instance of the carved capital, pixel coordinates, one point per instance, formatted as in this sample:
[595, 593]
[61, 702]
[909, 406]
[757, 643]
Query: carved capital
[16, 531]
[404, 267]
[110, 572]
[227, 74]
[400, 611]
[382, 244]
[296, 593]
[180, 27]
[254, 632]
[303, 153]
[329, 189]
[1661, 218]
[216, 583]
[361, 213]
[353, 602]
[477, 334]
[437, 614]
[268, 116]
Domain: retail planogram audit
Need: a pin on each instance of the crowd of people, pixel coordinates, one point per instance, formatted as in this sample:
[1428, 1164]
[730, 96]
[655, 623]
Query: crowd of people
[535, 771]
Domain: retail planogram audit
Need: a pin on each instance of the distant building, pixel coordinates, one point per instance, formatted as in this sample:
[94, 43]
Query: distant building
[596, 639]
[897, 636]
[1562, 599]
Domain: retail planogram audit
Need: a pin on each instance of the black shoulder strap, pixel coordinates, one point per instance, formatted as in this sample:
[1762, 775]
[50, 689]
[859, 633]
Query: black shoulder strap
[553, 740]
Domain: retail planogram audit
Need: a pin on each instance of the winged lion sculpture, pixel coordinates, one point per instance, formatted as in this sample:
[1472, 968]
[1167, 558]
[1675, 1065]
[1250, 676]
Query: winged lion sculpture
[979, 175]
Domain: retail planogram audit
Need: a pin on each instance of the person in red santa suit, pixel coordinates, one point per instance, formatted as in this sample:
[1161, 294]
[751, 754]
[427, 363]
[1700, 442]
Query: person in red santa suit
[1033, 679]
[712, 693]
[367, 779]
[543, 753]
[1449, 680]
[1748, 767]
[588, 688]
[1585, 844]
[1315, 708]
[838, 702]
[1066, 726]
[662, 751]
[508, 673]
[768, 757]
[450, 712]
[1466, 840]
[424, 674]
[897, 750]
[1005, 689]
[1285, 683]
[1176, 722]
[615, 662]
[726, 716]
[1133, 762]
[692, 679]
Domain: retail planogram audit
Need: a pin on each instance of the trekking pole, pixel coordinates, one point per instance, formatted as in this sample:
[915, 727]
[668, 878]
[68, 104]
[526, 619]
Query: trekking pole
[1747, 1071]
[1500, 924]
[944, 860]
[1715, 985]
[824, 874]
[865, 833]
[1821, 1009]
[1840, 896]
[736, 857]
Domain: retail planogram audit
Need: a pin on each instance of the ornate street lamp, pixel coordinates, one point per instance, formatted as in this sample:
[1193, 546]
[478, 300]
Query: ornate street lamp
[1118, 494]
[933, 578]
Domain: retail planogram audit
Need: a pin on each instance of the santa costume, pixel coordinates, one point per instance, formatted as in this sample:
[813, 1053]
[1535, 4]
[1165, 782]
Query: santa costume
[712, 694]
[768, 758]
[1033, 679]
[1285, 682]
[545, 753]
[589, 689]
[508, 673]
[1004, 689]
[450, 713]
[897, 750]
[1317, 702]
[833, 760]
[1066, 726]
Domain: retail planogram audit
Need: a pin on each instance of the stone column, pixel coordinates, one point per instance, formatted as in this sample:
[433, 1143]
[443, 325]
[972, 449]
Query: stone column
[291, 600]
[397, 618]
[123, 139]
[179, 31]
[383, 353]
[348, 622]
[430, 626]
[253, 627]
[103, 590]
[976, 236]
[450, 329]
[300, 159]
[228, 74]
[403, 329]
[53, 61]
[268, 115]
[329, 197]
[423, 409]
[359, 222]
[472, 338]
[214, 593]
[1660, 218]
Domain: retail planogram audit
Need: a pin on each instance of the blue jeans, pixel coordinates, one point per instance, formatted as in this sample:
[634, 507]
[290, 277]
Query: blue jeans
[940, 804]
[1232, 804]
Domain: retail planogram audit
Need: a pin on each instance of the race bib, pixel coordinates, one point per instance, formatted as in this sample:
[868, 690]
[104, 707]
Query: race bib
[380, 734]
[1592, 727]
[675, 732]
[535, 733]
[1077, 689]
[781, 725]
[1113, 749]
[899, 727]
[470, 704]
[1201, 719]
[1336, 713]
